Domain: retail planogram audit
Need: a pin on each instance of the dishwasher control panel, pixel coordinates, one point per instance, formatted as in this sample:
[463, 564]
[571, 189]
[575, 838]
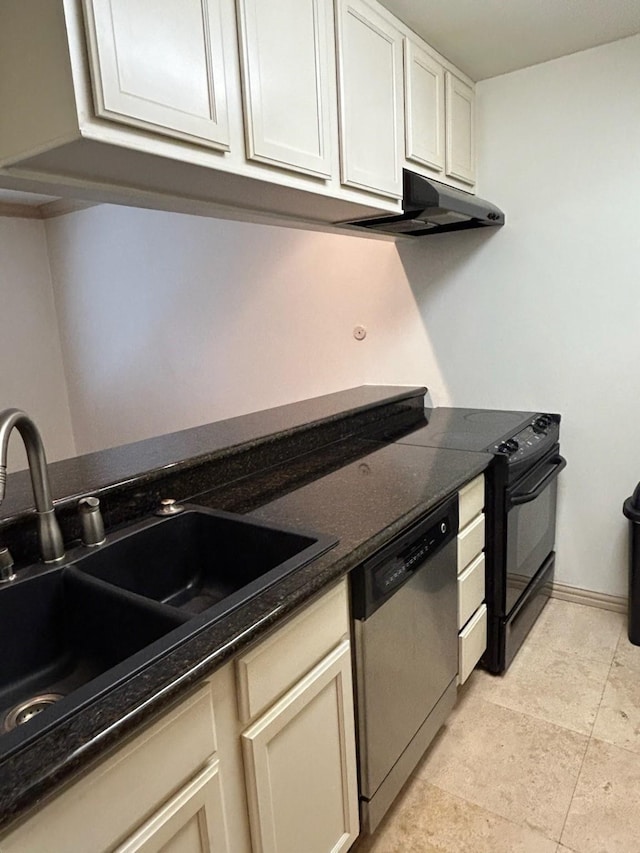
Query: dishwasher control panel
[376, 579]
[390, 575]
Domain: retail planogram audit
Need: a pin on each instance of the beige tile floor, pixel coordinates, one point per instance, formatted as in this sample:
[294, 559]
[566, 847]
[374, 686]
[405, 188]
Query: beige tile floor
[545, 759]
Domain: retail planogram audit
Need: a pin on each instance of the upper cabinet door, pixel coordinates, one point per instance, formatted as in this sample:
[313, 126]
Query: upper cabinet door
[424, 107]
[461, 155]
[370, 91]
[285, 57]
[159, 65]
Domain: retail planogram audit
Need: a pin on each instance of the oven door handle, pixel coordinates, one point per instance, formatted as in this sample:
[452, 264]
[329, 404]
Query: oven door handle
[541, 485]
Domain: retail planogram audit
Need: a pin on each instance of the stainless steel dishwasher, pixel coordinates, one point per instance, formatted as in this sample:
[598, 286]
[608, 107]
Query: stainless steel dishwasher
[404, 601]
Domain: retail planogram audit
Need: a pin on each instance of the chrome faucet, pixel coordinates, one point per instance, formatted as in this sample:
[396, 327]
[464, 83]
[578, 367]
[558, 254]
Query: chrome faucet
[51, 544]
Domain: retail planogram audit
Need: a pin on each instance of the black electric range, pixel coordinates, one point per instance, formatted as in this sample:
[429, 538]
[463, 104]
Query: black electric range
[520, 509]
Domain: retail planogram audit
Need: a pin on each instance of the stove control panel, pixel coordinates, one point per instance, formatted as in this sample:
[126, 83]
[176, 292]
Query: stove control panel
[541, 432]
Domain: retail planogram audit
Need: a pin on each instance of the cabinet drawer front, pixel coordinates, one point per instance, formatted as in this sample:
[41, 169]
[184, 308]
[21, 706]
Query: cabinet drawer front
[275, 664]
[472, 643]
[144, 773]
[471, 501]
[470, 542]
[470, 590]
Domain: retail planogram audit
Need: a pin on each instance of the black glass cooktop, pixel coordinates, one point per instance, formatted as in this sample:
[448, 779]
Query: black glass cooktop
[467, 429]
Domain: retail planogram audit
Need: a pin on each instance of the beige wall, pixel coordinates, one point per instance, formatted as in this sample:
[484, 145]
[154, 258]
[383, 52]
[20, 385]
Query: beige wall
[545, 314]
[31, 371]
[169, 321]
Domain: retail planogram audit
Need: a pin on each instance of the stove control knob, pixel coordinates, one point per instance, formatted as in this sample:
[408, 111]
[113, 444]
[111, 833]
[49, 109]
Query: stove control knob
[502, 448]
[512, 444]
[541, 424]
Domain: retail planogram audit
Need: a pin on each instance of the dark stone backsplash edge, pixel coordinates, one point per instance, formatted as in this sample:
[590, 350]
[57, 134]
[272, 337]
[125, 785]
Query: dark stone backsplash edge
[132, 497]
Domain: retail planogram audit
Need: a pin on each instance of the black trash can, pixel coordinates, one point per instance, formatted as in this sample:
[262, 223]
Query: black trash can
[631, 509]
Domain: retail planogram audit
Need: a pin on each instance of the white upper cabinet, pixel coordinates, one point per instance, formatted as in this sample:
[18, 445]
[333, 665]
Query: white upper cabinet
[285, 48]
[424, 108]
[370, 95]
[294, 109]
[460, 109]
[160, 66]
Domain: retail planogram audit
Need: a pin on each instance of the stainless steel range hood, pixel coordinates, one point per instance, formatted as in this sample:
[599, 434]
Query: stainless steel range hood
[430, 207]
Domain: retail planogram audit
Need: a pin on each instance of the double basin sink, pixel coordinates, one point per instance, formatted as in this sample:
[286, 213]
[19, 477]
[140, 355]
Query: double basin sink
[70, 632]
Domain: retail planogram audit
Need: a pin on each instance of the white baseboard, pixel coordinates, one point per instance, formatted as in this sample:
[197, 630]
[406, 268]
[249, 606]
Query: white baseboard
[589, 597]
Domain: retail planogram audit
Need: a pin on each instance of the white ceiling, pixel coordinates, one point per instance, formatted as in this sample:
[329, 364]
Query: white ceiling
[485, 38]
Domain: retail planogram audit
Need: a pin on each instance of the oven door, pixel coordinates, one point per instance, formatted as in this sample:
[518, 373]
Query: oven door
[531, 524]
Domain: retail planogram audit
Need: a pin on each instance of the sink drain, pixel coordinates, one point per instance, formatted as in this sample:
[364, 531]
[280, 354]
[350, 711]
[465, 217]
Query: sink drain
[29, 709]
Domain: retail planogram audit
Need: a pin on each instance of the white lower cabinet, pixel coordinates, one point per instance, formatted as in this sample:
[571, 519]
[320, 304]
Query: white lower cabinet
[300, 765]
[470, 590]
[295, 693]
[472, 643]
[261, 757]
[472, 611]
[135, 787]
[191, 822]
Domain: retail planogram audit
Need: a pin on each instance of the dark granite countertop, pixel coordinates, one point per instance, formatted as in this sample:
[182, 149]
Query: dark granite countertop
[154, 458]
[356, 489]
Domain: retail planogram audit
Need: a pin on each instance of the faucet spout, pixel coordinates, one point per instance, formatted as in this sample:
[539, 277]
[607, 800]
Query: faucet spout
[51, 544]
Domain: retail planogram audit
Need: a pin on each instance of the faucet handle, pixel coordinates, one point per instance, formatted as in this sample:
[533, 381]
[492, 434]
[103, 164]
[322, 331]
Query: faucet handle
[91, 521]
[6, 566]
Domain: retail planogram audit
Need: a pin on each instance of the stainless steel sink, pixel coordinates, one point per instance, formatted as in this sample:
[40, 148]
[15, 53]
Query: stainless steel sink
[72, 632]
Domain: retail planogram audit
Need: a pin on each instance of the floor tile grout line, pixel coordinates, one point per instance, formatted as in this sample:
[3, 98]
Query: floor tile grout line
[531, 716]
[491, 812]
[615, 746]
[606, 681]
[589, 738]
[573, 793]
[549, 618]
[535, 643]
[586, 735]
